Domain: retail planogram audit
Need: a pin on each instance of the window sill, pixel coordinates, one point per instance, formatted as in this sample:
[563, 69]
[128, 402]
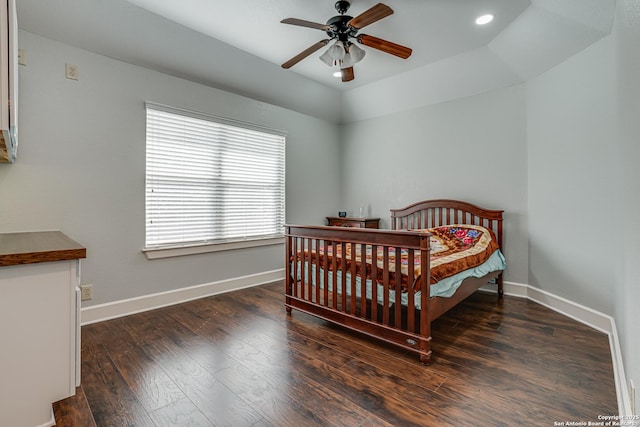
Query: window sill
[175, 251]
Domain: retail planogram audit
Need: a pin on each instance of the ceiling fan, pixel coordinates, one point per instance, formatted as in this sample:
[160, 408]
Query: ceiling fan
[343, 28]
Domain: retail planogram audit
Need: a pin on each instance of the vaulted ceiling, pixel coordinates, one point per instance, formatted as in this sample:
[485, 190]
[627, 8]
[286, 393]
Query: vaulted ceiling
[239, 46]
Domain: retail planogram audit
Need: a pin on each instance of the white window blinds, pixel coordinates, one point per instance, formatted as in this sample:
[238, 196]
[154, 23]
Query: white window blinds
[211, 180]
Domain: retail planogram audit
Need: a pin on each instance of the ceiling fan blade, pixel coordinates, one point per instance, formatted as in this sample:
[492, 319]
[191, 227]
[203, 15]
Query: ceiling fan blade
[303, 23]
[308, 51]
[385, 46]
[347, 74]
[370, 16]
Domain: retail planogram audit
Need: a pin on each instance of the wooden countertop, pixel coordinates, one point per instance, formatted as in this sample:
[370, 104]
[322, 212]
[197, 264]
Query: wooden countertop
[38, 246]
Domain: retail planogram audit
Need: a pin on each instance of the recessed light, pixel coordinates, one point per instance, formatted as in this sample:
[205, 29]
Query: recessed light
[337, 74]
[484, 19]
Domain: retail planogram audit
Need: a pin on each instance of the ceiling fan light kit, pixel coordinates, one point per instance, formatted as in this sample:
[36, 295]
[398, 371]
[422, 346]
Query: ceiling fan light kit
[342, 28]
[326, 58]
[336, 51]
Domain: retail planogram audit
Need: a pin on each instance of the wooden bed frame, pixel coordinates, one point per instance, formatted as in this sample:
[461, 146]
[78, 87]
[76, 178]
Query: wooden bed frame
[391, 321]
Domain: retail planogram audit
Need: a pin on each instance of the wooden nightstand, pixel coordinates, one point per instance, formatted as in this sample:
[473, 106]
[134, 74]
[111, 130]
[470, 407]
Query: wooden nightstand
[354, 222]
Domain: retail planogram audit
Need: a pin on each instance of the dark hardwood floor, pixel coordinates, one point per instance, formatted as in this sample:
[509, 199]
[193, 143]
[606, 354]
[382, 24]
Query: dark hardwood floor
[239, 360]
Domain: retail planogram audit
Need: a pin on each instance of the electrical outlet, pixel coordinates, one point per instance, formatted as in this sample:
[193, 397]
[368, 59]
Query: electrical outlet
[86, 292]
[72, 71]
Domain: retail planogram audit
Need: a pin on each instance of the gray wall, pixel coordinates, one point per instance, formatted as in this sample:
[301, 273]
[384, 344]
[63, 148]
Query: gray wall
[573, 178]
[81, 167]
[472, 149]
[584, 192]
[627, 311]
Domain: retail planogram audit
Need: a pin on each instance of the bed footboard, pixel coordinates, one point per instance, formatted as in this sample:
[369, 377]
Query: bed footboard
[367, 297]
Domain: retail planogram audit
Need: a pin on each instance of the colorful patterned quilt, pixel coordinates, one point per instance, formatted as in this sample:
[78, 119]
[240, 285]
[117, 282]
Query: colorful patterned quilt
[454, 248]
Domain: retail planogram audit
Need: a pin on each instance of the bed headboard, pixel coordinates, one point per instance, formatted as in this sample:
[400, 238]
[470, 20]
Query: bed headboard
[434, 213]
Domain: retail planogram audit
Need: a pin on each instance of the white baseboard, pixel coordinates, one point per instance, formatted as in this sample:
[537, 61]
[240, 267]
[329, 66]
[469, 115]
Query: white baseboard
[112, 310]
[585, 315]
[51, 422]
[625, 406]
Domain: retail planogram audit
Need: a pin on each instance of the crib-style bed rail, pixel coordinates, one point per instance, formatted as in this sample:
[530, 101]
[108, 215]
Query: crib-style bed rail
[380, 282]
[354, 278]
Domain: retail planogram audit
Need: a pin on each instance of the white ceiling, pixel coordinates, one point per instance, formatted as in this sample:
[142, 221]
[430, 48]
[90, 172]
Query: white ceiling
[434, 29]
[239, 45]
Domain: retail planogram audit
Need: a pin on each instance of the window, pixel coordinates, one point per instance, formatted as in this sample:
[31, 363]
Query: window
[211, 180]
